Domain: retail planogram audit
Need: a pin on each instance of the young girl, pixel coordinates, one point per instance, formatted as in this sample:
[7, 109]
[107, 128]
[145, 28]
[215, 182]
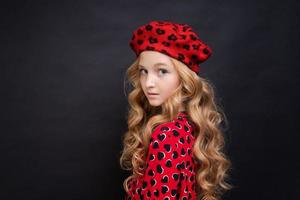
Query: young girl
[174, 143]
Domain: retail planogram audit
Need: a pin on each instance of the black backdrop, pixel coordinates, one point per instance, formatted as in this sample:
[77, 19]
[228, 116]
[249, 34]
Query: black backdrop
[63, 107]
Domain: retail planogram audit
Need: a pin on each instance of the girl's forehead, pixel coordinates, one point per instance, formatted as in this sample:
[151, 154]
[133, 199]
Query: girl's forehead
[154, 59]
[155, 65]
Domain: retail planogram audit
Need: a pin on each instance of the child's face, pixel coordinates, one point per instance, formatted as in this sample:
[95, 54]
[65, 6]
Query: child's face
[157, 75]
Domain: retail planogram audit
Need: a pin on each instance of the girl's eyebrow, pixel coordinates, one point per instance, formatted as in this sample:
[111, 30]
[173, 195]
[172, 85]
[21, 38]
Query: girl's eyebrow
[156, 64]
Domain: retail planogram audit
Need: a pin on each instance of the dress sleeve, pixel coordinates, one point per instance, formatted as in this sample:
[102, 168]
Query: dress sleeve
[164, 163]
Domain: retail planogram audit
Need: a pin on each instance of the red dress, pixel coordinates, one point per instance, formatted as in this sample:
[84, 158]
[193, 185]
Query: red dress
[170, 167]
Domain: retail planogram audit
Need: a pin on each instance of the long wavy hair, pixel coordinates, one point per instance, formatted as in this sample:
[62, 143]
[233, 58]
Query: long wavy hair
[197, 95]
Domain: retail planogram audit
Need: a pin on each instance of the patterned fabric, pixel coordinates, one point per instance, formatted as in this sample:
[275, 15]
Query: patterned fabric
[176, 40]
[170, 167]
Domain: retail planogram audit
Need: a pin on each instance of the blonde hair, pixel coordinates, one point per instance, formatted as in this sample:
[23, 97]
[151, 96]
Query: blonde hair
[197, 94]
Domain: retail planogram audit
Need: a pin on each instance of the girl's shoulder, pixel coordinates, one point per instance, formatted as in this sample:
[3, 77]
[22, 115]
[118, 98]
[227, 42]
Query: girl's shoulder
[181, 125]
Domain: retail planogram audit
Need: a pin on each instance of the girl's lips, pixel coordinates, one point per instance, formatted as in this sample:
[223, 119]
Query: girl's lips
[152, 95]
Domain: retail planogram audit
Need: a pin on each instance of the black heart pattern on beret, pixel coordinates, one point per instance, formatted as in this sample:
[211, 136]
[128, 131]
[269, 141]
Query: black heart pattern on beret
[177, 40]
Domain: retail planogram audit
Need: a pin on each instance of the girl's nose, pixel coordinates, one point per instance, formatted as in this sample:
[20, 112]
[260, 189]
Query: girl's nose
[150, 81]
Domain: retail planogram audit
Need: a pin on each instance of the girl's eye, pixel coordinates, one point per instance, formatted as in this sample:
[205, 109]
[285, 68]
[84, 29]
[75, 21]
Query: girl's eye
[141, 70]
[161, 70]
[164, 71]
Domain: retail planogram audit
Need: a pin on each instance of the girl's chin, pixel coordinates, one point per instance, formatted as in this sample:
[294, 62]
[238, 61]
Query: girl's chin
[154, 103]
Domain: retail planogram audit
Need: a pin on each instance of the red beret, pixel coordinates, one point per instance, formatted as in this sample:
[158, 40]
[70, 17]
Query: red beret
[175, 40]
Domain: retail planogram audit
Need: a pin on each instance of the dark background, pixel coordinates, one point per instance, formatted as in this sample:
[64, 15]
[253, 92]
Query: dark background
[63, 104]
